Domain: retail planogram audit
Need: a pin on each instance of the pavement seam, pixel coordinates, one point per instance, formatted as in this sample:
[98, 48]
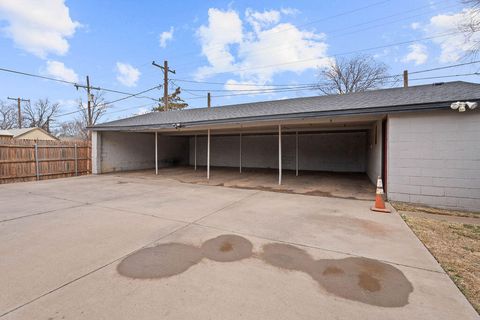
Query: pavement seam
[122, 257]
[44, 212]
[318, 248]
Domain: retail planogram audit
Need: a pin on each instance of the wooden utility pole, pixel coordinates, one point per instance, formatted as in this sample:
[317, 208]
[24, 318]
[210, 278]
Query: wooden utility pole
[19, 101]
[405, 78]
[208, 100]
[166, 70]
[89, 106]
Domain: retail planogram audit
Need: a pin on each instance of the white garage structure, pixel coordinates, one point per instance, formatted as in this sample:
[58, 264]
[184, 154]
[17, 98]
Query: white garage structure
[426, 152]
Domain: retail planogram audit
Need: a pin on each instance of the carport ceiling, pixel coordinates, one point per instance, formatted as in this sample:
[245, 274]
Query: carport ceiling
[306, 125]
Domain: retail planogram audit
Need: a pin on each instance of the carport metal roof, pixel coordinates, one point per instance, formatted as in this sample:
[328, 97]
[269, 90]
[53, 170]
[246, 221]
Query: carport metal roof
[415, 98]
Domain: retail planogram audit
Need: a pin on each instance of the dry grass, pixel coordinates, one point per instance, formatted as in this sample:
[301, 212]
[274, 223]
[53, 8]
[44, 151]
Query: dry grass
[456, 247]
[402, 206]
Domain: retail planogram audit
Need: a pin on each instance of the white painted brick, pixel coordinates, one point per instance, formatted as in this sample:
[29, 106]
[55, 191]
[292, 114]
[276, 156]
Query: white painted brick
[432, 191]
[392, 196]
[438, 153]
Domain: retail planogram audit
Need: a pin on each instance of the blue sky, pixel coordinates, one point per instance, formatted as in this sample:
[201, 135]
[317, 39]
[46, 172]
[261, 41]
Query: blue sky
[240, 45]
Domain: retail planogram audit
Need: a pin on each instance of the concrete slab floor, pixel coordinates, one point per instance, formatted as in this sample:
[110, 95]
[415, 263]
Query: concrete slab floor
[328, 184]
[210, 252]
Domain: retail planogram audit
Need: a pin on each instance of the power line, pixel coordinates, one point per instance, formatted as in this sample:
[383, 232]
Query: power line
[349, 27]
[448, 76]
[446, 67]
[306, 24]
[68, 82]
[286, 86]
[105, 104]
[286, 45]
[334, 55]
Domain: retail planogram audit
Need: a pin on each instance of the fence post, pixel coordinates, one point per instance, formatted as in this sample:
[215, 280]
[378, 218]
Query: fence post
[37, 168]
[76, 161]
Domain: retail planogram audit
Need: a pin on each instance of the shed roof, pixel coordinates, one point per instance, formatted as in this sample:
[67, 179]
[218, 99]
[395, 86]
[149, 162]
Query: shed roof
[382, 100]
[17, 133]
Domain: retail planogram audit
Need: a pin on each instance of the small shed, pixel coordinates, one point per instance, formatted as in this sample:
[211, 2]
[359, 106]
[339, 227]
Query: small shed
[34, 133]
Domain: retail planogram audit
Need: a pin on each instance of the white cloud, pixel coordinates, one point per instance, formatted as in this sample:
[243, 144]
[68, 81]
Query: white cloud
[39, 27]
[289, 11]
[260, 20]
[232, 47]
[453, 47]
[166, 36]
[415, 25]
[418, 54]
[58, 70]
[224, 28]
[127, 74]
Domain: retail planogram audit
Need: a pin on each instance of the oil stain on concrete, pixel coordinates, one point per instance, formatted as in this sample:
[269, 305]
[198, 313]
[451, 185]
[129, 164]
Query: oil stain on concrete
[161, 261]
[227, 248]
[359, 279]
[351, 225]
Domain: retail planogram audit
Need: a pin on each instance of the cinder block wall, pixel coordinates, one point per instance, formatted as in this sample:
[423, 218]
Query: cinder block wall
[121, 151]
[172, 151]
[434, 159]
[340, 152]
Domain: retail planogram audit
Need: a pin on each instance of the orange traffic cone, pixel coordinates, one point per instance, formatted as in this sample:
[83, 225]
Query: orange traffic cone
[379, 203]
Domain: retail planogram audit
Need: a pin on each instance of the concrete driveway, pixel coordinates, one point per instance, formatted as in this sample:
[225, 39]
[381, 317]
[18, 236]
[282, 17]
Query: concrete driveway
[132, 247]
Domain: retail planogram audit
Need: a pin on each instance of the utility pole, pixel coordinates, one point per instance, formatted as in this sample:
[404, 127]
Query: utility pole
[166, 70]
[405, 78]
[89, 106]
[89, 101]
[19, 101]
[208, 100]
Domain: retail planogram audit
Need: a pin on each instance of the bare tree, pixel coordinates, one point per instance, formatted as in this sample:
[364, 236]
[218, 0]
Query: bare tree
[71, 129]
[8, 116]
[352, 75]
[42, 114]
[98, 109]
[471, 26]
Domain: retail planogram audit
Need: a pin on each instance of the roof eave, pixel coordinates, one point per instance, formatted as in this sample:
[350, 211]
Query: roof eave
[287, 116]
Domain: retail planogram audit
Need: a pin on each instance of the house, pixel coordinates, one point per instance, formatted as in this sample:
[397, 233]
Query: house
[425, 151]
[34, 133]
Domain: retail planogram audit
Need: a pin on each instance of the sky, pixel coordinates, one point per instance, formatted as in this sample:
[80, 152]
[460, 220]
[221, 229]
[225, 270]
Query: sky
[225, 47]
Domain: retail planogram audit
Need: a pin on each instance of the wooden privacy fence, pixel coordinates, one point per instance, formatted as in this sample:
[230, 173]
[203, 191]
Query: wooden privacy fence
[26, 160]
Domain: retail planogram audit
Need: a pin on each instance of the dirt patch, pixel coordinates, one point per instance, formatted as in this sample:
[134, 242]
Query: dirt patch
[351, 225]
[162, 261]
[226, 248]
[456, 247]
[359, 279]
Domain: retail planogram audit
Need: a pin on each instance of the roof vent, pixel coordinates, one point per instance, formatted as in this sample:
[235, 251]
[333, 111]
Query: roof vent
[438, 83]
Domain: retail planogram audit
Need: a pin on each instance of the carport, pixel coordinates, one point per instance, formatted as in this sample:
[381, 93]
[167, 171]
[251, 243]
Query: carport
[292, 148]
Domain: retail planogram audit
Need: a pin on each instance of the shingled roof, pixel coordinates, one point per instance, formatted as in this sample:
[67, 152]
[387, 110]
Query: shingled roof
[433, 96]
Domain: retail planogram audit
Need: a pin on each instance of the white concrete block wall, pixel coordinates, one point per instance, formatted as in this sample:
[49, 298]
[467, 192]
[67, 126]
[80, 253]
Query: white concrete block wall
[434, 159]
[121, 151]
[172, 151]
[341, 152]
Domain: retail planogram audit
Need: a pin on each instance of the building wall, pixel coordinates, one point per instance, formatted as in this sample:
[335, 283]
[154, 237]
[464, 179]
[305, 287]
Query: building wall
[121, 151]
[434, 159]
[341, 152]
[36, 134]
[374, 152]
[172, 151]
